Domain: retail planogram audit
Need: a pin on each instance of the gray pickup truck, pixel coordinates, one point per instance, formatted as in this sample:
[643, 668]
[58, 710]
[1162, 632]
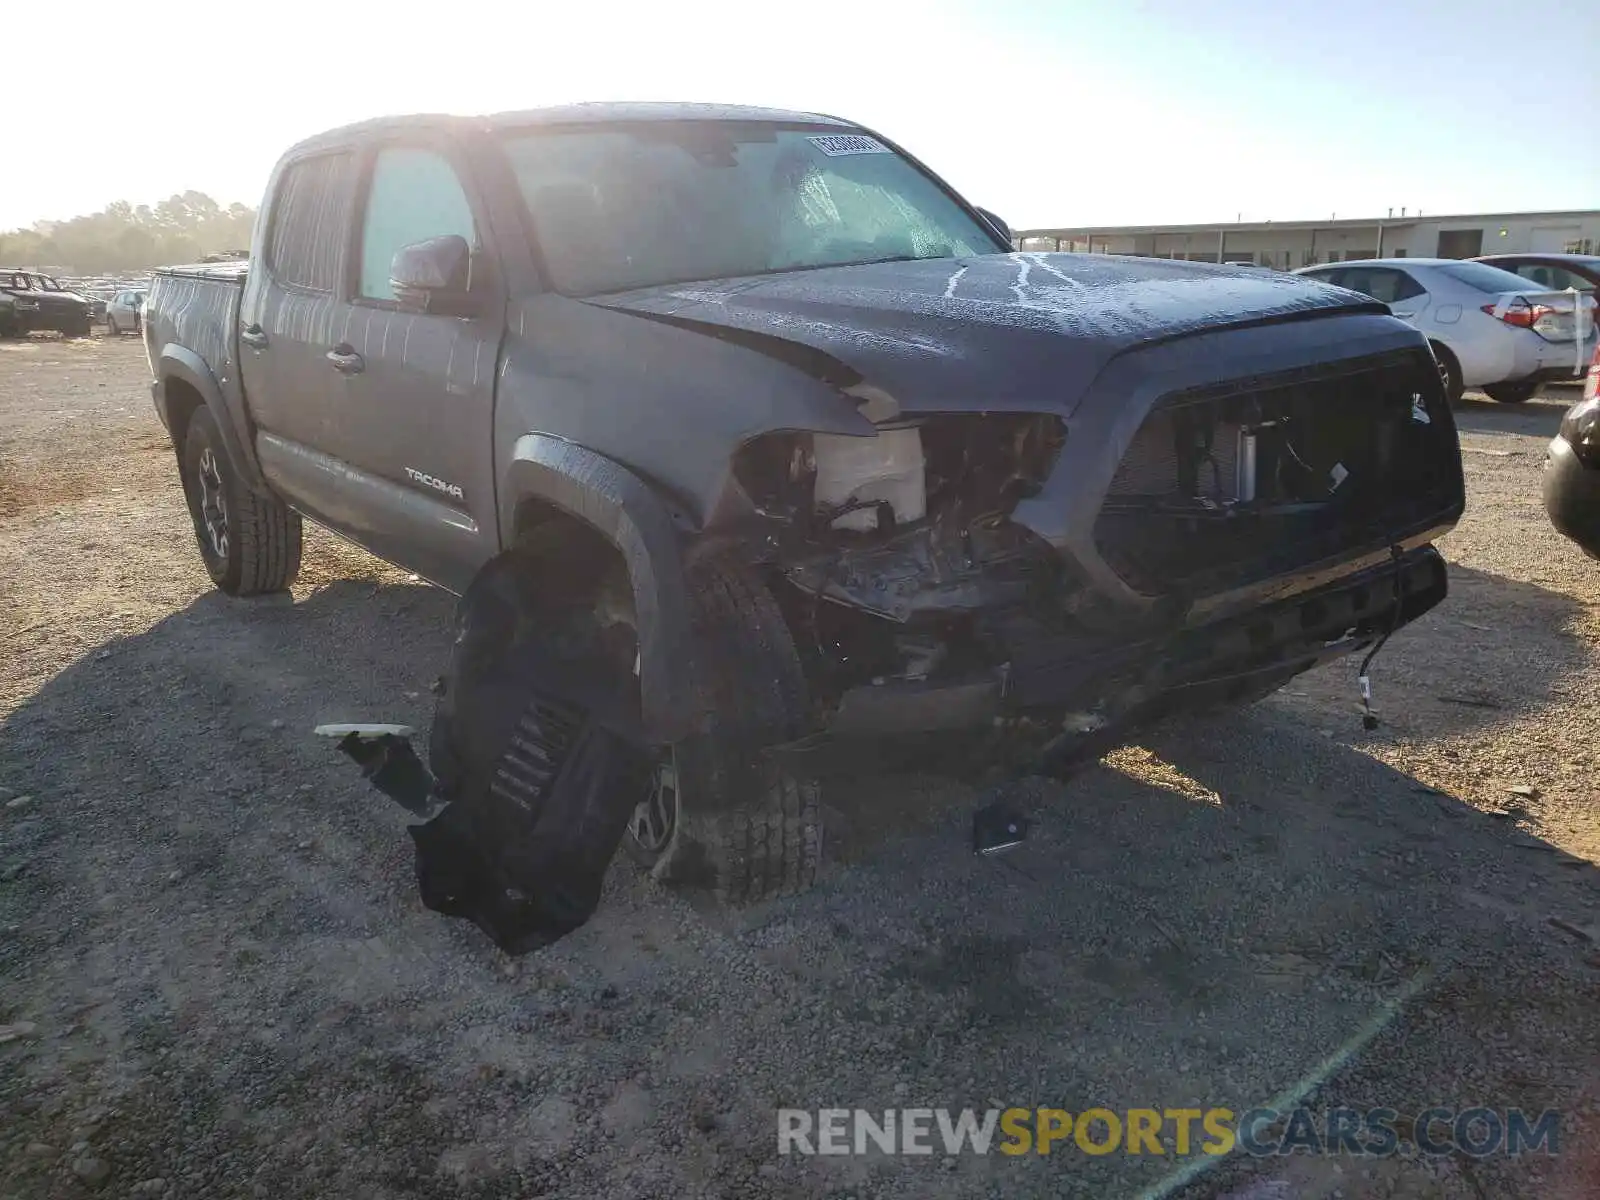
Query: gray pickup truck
[760, 397]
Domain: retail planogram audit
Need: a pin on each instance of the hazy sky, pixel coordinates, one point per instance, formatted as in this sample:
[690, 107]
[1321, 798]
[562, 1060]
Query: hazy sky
[1061, 113]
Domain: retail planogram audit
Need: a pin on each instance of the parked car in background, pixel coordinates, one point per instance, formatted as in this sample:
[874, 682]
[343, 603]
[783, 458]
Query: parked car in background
[1572, 468]
[1489, 328]
[30, 301]
[125, 312]
[1553, 272]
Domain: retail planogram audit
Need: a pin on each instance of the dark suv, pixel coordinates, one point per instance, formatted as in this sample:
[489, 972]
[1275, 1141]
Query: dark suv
[30, 301]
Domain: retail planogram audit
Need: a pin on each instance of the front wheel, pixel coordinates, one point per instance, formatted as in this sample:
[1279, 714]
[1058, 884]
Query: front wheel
[720, 813]
[1511, 393]
[250, 544]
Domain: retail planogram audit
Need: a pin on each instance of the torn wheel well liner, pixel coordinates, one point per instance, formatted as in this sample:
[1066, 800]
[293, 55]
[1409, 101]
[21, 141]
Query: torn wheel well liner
[547, 476]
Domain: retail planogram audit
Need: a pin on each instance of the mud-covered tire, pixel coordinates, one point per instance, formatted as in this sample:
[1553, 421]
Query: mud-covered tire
[258, 549]
[745, 828]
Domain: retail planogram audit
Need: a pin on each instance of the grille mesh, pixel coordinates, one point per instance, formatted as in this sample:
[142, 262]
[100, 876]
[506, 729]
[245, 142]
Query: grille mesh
[1150, 468]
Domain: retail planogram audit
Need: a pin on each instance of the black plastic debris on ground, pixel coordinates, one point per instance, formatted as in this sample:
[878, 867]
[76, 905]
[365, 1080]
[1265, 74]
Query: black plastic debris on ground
[392, 766]
[537, 752]
[997, 827]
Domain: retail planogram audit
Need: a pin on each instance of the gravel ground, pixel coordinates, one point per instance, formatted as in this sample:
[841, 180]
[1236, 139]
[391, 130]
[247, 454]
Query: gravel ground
[216, 979]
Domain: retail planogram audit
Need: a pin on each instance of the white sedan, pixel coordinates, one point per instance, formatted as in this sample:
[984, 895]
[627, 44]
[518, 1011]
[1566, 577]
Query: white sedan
[1489, 329]
[123, 312]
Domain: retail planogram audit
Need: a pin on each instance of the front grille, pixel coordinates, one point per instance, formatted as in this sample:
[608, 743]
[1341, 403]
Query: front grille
[1151, 464]
[1224, 485]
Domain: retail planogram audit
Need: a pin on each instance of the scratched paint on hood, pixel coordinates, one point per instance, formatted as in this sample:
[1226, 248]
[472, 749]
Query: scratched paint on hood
[1004, 331]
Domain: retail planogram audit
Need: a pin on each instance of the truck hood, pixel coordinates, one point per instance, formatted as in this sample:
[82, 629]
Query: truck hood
[1018, 332]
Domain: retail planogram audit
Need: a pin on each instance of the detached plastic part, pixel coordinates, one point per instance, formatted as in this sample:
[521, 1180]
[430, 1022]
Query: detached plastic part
[537, 747]
[998, 827]
[391, 766]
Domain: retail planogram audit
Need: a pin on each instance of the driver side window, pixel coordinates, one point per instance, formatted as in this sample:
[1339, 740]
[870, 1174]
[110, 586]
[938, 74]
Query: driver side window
[415, 195]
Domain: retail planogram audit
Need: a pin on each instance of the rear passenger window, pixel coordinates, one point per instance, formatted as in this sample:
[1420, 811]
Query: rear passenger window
[310, 217]
[1405, 287]
[415, 195]
[1381, 283]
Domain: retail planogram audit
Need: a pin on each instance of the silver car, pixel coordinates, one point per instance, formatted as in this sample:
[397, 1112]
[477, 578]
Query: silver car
[123, 312]
[1489, 329]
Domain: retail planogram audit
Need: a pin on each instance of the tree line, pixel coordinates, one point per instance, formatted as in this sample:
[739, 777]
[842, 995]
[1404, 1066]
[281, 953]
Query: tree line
[125, 237]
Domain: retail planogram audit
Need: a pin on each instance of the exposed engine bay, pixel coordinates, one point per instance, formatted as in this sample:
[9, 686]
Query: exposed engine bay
[905, 570]
[895, 544]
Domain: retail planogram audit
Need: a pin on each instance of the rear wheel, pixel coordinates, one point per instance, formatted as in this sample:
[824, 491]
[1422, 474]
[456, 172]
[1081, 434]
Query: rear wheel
[1511, 393]
[250, 544]
[1449, 372]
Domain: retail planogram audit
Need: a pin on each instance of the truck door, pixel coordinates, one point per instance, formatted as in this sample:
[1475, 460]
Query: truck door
[415, 427]
[285, 328]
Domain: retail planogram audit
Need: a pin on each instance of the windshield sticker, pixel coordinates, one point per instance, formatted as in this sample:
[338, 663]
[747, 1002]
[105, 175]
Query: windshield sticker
[835, 144]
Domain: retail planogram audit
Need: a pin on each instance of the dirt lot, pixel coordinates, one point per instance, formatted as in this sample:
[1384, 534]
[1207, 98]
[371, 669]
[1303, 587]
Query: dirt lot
[216, 979]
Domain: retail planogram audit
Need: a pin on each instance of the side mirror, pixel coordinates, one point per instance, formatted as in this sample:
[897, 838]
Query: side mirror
[1000, 226]
[434, 277]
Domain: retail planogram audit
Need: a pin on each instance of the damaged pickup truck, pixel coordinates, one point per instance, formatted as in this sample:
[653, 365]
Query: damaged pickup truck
[758, 410]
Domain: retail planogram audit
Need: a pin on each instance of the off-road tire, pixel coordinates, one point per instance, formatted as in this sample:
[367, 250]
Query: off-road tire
[1449, 373]
[1511, 393]
[746, 828]
[261, 550]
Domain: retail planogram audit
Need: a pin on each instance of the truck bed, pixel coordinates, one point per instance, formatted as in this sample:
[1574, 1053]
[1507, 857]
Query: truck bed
[234, 271]
[193, 311]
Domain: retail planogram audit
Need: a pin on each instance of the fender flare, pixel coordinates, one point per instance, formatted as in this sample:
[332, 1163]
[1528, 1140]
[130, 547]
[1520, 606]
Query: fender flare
[179, 362]
[631, 516]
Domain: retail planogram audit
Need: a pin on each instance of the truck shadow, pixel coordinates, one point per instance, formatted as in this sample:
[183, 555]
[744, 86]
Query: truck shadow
[1200, 920]
[1538, 417]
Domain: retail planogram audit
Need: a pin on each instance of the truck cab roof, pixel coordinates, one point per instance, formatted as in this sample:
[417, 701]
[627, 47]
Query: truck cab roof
[588, 113]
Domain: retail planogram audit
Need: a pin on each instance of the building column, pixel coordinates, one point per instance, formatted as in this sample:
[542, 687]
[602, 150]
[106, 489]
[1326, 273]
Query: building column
[1222, 245]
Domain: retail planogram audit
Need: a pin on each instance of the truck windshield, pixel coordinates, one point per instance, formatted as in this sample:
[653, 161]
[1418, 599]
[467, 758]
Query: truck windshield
[617, 208]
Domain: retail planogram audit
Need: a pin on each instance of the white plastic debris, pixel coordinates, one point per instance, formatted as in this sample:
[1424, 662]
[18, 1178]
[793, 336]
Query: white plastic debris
[364, 730]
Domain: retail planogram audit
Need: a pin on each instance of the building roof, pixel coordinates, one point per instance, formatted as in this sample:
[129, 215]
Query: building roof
[1330, 224]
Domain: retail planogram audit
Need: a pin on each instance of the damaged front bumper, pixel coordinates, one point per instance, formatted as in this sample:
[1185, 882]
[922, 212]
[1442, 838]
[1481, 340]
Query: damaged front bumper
[1103, 687]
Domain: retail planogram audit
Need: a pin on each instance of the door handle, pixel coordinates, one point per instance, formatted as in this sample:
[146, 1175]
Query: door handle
[254, 336]
[345, 360]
